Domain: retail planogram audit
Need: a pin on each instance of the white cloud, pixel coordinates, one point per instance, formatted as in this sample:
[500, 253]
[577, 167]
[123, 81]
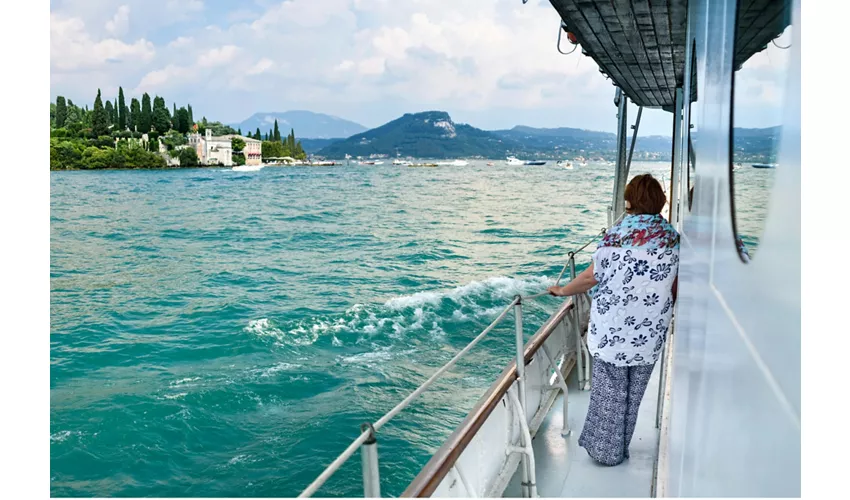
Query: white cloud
[367, 60]
[218, 56]
[72, 48]
[262, 66]
[120, 22]
[181, 41]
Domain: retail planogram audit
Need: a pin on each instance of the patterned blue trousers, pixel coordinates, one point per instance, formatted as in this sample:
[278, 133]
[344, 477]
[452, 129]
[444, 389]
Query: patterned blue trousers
[615, 398]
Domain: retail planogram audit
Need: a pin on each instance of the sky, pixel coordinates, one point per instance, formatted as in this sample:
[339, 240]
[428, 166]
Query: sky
[492, 64]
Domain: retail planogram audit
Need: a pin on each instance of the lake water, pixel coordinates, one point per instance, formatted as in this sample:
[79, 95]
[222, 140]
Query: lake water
[216, 333]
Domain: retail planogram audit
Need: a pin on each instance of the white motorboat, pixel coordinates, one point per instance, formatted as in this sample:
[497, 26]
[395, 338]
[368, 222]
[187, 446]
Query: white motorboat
[247, 168]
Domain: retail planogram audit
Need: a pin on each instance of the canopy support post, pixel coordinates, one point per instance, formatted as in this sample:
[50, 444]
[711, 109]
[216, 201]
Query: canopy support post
[622, 168]
[678, 107]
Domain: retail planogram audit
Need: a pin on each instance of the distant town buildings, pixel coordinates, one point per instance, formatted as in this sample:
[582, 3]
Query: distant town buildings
[253, 150]
[212, 150]
[218, 150]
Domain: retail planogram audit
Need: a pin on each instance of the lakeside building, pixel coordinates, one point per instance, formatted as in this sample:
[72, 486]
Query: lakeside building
[253, 150]
[212, 150]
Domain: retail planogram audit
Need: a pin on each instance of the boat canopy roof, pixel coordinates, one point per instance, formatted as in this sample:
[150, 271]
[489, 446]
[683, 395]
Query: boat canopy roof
[640, 44]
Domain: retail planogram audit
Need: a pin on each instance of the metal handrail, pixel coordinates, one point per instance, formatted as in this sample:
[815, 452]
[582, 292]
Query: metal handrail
[367, 438]
[369, 433]
[570, 261]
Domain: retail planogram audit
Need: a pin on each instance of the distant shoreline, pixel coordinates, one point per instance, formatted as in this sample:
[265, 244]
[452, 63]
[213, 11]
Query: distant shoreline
[340, 164]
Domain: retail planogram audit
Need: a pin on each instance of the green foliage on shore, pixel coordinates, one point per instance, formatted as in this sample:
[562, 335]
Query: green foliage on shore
[287, 147]
[112, 135]
[101, 153]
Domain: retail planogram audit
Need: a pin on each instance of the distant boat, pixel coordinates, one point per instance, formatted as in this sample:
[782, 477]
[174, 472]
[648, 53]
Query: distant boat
[378, 163]
[764, 165]
[582, 164]
[455, 163]
[323, 163]
[512, 160]
[401, 162]
[247, 168]
[367, 162]
[490, 163]
[566, 164]
[422, 165]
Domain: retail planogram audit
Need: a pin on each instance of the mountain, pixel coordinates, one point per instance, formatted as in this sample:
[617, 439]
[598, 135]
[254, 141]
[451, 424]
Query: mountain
[311, 146]
[560, 138]
[431, 134]
[305, 123]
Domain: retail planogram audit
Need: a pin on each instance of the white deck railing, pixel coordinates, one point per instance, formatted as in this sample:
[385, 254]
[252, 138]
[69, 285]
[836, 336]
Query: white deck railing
[367, 440]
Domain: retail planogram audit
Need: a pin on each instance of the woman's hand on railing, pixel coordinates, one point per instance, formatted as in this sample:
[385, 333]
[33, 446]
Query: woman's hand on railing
[555, 290]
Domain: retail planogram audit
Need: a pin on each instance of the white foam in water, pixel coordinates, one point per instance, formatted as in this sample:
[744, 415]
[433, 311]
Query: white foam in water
[279, 367]
[60, 436]
[184, 381]
[497, 287]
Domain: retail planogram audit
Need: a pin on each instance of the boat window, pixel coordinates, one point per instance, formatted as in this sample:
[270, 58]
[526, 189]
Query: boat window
[692, 125]
[758, 87]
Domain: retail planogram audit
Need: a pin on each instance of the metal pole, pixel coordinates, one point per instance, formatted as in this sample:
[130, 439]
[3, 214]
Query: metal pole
[520, 348]
[369, 453]
[635, 127]
[565, 431]
[621, 173]
[673, 216]
[577, 327]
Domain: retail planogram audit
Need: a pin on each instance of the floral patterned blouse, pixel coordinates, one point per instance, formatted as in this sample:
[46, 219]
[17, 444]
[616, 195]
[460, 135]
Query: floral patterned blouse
[635, 264]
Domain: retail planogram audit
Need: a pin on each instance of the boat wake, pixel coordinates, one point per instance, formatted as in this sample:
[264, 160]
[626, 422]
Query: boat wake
[428, 314]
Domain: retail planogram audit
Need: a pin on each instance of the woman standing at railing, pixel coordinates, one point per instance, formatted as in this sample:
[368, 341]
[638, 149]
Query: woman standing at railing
[635, 268]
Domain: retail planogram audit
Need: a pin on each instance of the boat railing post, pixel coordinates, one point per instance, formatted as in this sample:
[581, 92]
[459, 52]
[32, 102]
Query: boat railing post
[577, 327]
[369, 454]
[520, 348]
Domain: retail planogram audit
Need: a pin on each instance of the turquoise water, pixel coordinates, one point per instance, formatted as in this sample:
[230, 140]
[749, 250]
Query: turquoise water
[216, 333]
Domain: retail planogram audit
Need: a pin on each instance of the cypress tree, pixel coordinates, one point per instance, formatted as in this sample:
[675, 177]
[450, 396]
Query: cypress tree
[161, 120]
[122, 110]
[146, 115]
[257, 134]
[239, 131]
[109, 110]
[276, 131]
[181, 121]
[98, 119]
[191, 118]
[61, 112]
[174, 114]
[135, 115]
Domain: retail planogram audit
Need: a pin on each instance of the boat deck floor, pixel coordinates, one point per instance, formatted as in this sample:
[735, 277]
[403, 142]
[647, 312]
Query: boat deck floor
[565, 470]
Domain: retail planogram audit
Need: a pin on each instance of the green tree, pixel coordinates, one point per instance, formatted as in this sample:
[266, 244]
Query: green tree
[61, 112]
[145, 117]
[135, 116]
[99, 123]
[271, 149]
[290, 145]
[109, 112]
[191, 117]
[188, 157]
[122, 110]
[276, 132]
[161, 121]
[257, 134]
[174, 114]
[181, 121]
[237, 144]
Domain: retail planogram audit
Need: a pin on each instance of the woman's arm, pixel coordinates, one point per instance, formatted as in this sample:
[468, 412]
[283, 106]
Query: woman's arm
[675, 289]
[583, 282]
